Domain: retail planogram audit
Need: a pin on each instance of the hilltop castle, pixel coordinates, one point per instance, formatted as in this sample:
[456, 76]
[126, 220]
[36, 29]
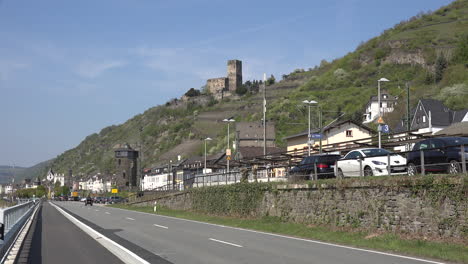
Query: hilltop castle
[226, 86]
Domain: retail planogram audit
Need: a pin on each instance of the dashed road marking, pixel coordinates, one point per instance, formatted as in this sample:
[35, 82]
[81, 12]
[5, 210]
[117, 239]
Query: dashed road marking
[165, 227]
[224, 242]
[107, 213]
[129, 218]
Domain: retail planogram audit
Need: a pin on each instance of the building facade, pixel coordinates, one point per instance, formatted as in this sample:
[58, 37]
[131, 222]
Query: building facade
[250, 134]
[387, 105]
[127, 167]
[337, 133]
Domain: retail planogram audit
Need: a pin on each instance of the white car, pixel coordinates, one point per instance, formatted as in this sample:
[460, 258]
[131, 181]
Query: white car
[374, 163]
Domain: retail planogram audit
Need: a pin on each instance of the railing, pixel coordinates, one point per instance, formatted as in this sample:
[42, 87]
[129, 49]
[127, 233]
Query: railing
[215, 179]
[423, 164]
[451, 160]
[12, 220]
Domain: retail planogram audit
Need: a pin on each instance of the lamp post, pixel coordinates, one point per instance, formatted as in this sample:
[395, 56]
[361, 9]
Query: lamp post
[206, 139]
[378, 105]
[309, 104]
[228, 120]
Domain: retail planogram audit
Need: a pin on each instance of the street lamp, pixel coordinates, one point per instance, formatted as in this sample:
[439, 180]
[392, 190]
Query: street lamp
[309, 104]
[228, 120]
[206, 139]
[378, 105]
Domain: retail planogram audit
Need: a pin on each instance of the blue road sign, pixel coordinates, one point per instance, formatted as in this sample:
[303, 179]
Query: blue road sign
[384, 128]
[315, 136]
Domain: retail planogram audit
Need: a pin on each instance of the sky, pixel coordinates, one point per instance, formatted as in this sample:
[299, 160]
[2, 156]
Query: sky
[70, 68]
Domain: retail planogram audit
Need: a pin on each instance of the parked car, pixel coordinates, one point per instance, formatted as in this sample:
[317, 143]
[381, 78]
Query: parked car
[325, 164]
[115, 199]
[374, 163]
[440, 155]
[89, 201]
[99, 200]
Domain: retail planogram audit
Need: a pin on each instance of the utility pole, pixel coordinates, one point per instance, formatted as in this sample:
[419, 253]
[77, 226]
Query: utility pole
[264, 114]
[321, 128]
[408, 123]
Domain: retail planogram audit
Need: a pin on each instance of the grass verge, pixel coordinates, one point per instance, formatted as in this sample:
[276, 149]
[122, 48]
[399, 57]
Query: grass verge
[384, 242]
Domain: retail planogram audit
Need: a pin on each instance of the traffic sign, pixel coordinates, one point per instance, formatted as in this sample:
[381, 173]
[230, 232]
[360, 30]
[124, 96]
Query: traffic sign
[228, 152]
[385, 128]
[380, 120]
[115, 190]
[228, 157]
[315, 136]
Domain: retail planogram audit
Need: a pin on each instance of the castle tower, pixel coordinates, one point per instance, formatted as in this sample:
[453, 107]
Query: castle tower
[234, 71]
[126, 158]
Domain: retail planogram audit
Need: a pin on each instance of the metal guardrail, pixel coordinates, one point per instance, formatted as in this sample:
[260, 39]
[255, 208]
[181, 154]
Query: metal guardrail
[12, 220]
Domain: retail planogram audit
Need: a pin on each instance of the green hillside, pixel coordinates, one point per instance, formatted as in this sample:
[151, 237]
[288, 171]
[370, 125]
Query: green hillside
[429, 50]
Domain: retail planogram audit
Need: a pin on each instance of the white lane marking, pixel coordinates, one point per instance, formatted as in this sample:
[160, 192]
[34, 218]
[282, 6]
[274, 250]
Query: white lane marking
[293, 238]
[96, 210]
[107, 213]
[224, 242]
[129, 218]
[165, 227]
[122, 253]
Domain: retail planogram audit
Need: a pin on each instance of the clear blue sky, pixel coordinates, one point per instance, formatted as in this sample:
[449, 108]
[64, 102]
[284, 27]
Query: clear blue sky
[70, 68]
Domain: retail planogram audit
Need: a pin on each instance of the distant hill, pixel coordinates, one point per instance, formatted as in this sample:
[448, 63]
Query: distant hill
[429, 50]
[7, 173]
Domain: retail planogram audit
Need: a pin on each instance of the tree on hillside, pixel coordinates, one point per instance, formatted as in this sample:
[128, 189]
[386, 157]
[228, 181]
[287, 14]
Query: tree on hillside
[192, 92]
[461, 52]
[241, 90]
[271, 80]
[440, 66]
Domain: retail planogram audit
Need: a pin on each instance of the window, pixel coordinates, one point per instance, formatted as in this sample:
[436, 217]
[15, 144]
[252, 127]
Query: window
[352, 155]
[349, 133]
[424, 119]
[423, 145]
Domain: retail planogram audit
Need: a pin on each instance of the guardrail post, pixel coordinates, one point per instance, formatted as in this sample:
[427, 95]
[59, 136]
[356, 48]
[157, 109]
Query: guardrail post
[389, 168]
[360, 168]
[315, 172]
[423, 170]
[463, 158]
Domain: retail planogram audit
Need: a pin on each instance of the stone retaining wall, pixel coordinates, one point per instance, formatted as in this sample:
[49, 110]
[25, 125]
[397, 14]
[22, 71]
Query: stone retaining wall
[428, 211]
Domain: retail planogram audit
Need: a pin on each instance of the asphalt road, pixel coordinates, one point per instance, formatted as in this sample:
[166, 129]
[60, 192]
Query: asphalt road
[160, 239]
[57, 240]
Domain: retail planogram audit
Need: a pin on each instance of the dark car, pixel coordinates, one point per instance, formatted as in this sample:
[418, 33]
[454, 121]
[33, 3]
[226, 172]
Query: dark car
[89, 201]
[325, 164]
[115, 199]
[99, 200]
[440, 155]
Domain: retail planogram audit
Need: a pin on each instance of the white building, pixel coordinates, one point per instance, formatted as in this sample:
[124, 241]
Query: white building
[56, 177]
[9, 189]
[387, 105]
[95, 184]
[156, 178]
